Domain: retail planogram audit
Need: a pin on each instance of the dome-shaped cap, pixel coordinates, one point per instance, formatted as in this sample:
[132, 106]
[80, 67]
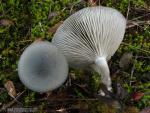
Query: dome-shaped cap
[42, 67]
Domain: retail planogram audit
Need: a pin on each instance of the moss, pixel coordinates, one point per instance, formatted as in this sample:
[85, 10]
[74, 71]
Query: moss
[26, 20]
[94, 82]
[131, 110]
[29, 99]
[100, 107]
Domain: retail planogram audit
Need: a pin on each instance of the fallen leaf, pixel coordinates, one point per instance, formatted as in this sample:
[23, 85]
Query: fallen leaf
[92, 2]
[125, 60]
[6, 22]
[130, 109]
[82, 107]
[49, 93]
[137, 96]
[38, 40]
[52, 14]
[55, 27]
[73, 76]
[9, 85]
[61, 110]
[131, 24]
[146, 110]
[121, 92]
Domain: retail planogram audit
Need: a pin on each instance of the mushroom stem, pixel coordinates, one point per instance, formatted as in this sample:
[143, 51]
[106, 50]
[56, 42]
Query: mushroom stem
[102, 68]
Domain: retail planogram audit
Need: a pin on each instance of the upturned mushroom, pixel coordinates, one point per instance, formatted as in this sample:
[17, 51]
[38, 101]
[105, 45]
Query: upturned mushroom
[42, 67]
[90, 37]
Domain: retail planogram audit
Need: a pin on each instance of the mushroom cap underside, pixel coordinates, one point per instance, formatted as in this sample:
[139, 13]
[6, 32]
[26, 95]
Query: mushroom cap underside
[90, 33]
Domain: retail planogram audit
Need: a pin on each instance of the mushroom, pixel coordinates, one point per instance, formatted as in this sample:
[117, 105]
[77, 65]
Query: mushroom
[90, 37]
[42, 67]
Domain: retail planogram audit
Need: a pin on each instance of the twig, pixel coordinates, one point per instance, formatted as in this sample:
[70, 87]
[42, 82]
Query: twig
[99, 2]
[143, 57]
[74, 99]
[4, 107]
[66, 99]
[128, 10]
[125, 73]
[139, 10]
[40, 24]
[139, 17]
[133, 68]
[136, 23]
[74, 4]
[28, 33]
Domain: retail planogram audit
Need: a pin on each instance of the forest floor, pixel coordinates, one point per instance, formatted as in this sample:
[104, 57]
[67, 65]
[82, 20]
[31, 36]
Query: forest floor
[22, 22]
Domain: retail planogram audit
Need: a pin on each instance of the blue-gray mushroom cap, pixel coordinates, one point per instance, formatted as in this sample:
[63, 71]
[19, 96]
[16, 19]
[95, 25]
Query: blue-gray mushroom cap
[42, 67]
